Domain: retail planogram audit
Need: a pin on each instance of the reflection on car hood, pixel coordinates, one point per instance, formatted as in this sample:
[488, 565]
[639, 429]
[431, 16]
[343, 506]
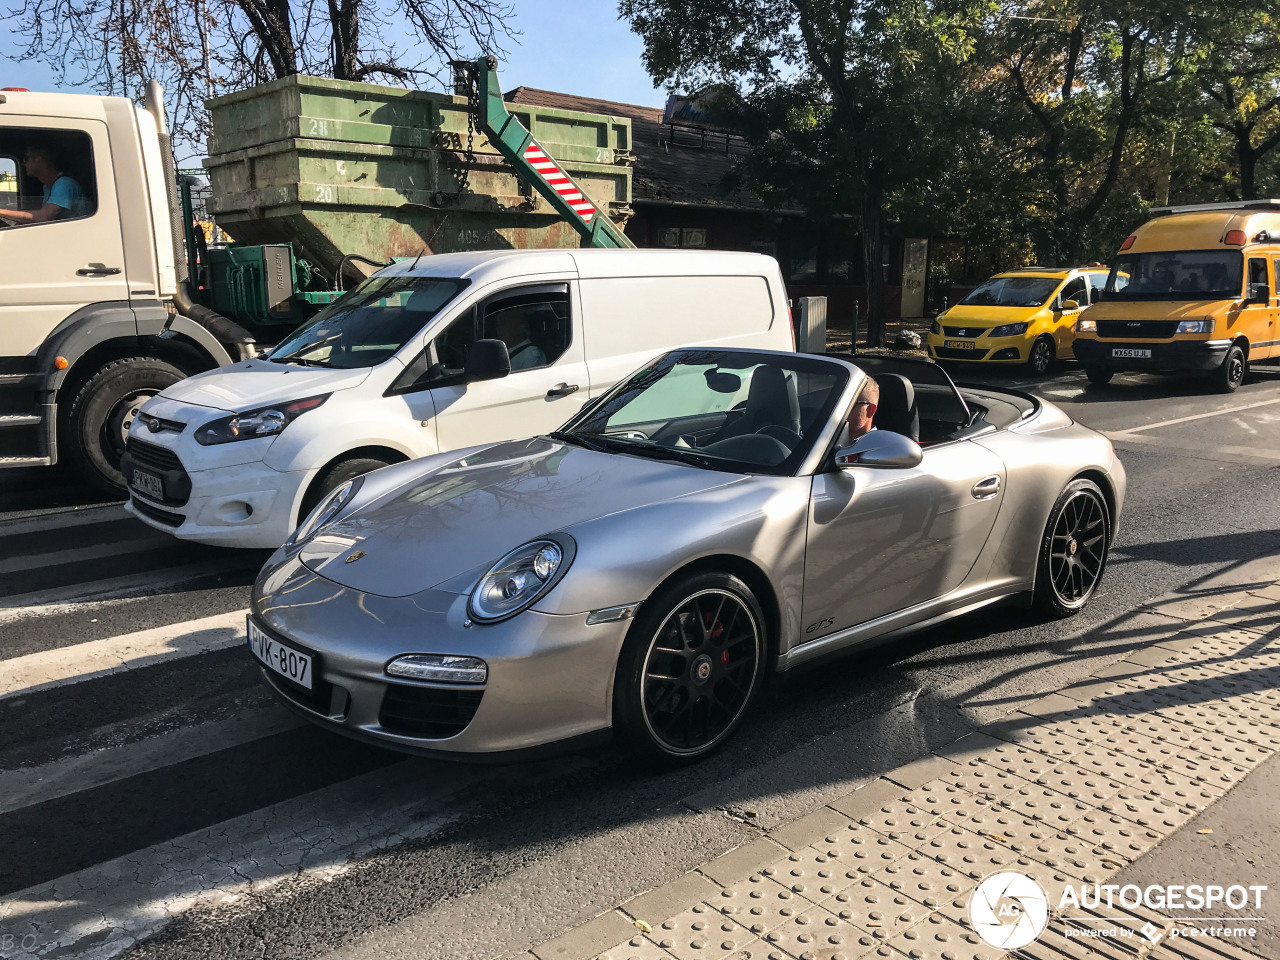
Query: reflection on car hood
[470, 512]
[256, 383]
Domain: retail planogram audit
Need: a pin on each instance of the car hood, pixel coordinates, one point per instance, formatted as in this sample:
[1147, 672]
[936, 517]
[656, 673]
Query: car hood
[257, 383]
[980, 316]
[463, 515]
[1156, 309]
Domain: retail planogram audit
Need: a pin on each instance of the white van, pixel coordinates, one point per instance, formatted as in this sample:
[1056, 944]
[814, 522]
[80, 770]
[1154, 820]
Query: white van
[239, 455]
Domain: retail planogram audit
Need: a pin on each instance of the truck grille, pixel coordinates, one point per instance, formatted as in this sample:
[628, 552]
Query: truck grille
[1136, 329]
[429, 712]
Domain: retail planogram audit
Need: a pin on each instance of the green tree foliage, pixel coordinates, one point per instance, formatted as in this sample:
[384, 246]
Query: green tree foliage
[844, 101]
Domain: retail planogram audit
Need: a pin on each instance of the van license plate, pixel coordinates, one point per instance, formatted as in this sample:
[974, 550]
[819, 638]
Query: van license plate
[959, 344]
[289, 663]
[147, 484]
[1131, 352]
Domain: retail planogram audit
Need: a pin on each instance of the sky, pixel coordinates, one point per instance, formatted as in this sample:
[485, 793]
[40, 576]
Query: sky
[548, 54]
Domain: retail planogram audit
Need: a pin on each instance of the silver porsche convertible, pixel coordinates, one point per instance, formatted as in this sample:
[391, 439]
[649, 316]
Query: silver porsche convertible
[643, 570]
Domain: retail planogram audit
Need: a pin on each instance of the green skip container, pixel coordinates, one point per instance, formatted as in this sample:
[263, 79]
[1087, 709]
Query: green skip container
[339, 168]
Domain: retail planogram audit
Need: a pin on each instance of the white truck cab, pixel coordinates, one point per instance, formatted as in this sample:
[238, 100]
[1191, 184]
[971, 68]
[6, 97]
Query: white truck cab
[94, 318]
[415, 361]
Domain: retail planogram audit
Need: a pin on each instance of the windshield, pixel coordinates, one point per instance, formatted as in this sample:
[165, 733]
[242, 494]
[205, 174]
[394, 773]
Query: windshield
[720, 410]
[1176, 275]
[1013, 292]
[369, 324]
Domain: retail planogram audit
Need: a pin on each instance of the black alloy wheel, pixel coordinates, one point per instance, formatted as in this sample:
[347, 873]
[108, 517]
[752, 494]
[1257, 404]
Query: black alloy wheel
[690, 668]
[1073, 552]
[1040, 359]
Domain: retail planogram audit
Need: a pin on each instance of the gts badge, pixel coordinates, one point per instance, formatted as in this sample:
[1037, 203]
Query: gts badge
[821, 625]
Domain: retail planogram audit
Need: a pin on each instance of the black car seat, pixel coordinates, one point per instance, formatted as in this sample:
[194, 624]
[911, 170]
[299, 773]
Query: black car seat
[771, 402]
[897, 408]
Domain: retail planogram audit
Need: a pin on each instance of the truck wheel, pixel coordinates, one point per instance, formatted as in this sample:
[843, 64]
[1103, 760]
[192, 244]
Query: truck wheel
[336, 474]
[97, 421]
[1041, 356]
[1099, 375]
[1232, 372]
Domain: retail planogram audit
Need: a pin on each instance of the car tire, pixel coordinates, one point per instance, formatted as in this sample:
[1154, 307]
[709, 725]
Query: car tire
[98, 417]
[1073, 550]
[1233, 370]
[1099, 375]
[681, 688]
[1041, 356]
[334, 476]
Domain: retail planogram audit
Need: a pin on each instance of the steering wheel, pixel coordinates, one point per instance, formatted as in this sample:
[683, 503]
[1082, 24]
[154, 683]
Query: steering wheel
[784, 435]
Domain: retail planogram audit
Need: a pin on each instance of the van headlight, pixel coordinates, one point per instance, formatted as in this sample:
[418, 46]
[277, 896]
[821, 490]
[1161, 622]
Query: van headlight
[326, 511]
[1195, 326]
[1086, 326]
[252, 424]
[1009, 330]
[519, 578]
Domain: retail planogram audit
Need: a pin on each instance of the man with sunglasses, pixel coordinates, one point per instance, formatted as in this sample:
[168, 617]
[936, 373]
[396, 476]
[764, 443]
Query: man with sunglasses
[863, 412]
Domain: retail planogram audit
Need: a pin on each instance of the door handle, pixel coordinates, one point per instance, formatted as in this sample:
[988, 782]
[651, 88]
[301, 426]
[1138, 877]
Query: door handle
[986, 488]
[563, 390]
[97, 270]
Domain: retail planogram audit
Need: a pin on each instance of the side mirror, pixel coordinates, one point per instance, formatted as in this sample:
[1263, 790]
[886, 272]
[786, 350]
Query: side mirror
[880, 448]
[487, 360]
[1259, 293]
[1070, 304]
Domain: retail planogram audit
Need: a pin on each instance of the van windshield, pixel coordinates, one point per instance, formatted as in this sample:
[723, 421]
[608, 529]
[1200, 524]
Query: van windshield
[369, 324]
[1013, 292]
[1176, 275]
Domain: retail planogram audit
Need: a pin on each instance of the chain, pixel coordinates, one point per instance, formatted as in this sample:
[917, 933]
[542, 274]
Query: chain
[473, 111]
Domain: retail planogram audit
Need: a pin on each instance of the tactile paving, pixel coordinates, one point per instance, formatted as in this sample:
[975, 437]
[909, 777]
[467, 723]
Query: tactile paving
[637, 948]
[876, 908]
[983, 779]
[1050, 807]
[1004, 826]
[946, 797]
[758, 904]
[811, 874]
[700, 933]
[1147, 810]
[1113, 838]
[861, 849]
[1024, 762]
[1080, 783]
[940, 938]
[904, 821]
[818, 933]
[924, 879]
[1033, 735]
[971, 855]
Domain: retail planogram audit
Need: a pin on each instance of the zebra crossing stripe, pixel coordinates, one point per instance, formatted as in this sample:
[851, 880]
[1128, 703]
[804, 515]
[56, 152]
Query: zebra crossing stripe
[97, 658]
[559, 181]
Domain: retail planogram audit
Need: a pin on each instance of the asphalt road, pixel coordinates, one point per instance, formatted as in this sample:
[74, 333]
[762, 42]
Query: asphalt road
[154, 801]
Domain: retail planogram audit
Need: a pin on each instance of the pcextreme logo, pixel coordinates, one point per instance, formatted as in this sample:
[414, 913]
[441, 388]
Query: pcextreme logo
[1009, 910]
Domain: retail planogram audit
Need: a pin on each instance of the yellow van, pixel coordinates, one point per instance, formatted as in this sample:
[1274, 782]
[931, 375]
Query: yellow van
[1022, 316]
[1191, 291]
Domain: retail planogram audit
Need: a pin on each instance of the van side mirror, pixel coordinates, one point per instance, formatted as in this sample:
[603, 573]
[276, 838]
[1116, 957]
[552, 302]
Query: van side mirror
[1070, 304]
[1259, 293]
[880, 448]
[487, 360]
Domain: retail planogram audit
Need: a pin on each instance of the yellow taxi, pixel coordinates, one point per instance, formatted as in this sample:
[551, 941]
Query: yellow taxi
[1025, 317]
[1193, 291]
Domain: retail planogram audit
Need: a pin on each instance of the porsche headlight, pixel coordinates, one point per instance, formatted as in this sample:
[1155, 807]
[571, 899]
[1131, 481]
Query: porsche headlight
[520, 578]
[1009, 330]
[325, 511]
[252, 424]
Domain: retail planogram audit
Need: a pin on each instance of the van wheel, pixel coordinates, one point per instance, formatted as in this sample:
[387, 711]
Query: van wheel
[1233, 370]
[690, 668]
[335, 475]
[1099, 375]
[97, 421]
[1040, 359]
